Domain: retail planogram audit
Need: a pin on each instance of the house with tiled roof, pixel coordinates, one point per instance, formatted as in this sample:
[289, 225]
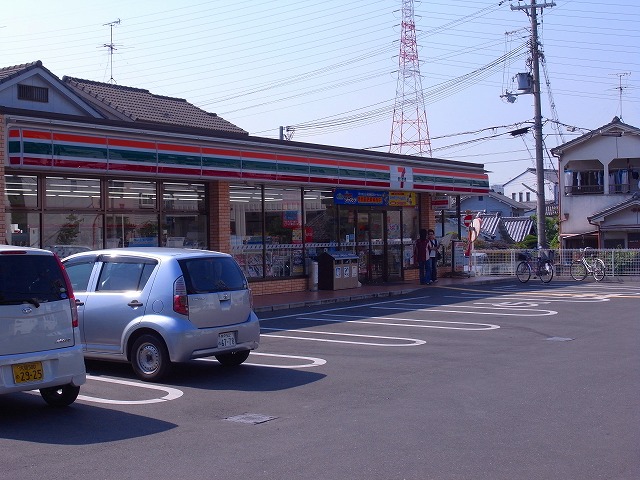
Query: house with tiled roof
[600, 184]
[138, 105]
[33, 85]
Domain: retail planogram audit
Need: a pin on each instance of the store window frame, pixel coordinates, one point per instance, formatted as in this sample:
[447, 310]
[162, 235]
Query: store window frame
[146, 205]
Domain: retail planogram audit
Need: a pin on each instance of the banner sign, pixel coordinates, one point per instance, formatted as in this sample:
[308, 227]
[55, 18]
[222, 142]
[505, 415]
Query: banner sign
[342, 196]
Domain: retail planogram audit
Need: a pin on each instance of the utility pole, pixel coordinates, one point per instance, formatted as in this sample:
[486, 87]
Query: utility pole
[532, 10]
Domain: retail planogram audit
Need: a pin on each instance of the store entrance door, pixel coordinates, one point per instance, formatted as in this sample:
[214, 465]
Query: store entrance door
[371, 240]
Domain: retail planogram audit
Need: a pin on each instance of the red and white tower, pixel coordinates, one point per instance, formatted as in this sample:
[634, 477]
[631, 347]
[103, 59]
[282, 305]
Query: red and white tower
[409, 131]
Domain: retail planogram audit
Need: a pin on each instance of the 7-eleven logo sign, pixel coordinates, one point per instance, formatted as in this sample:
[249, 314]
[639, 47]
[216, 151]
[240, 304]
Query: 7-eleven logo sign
[401, 178]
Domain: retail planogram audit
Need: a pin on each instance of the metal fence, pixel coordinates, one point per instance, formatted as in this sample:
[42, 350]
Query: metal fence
[619, 263]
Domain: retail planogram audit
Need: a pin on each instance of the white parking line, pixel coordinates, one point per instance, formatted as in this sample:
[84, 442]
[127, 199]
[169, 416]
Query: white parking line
[567, 297]
[476, 310]
[411, 342]
[449, 325]
[314, 362]
[171, 393]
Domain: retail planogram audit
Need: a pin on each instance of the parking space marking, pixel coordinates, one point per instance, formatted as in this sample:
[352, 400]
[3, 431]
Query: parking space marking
[410, 342]
[476, 310]
[567, 298]
[171, 393]
[313, 361]
[449, 325]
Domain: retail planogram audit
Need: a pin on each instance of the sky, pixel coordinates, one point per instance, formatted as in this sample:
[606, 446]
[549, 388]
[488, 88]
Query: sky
[328, 70]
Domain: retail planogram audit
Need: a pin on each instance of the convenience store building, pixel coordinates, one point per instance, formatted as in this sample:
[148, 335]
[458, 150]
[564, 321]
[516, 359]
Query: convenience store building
[89, 165]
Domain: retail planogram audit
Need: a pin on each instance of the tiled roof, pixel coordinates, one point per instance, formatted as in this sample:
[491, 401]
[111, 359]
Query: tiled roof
[489, 225]
[140, 105]
[9, 72]
[517, 227]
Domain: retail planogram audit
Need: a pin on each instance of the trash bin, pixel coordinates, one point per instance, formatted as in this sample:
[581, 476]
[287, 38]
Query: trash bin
[313, 275]
[336, 272]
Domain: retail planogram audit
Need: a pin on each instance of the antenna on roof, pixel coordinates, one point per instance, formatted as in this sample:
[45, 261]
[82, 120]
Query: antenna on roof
[111, 46]
[620, 88]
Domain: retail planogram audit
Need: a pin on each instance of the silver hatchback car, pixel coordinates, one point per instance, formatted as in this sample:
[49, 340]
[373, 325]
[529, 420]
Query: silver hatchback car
[39, 336]
[152, 306]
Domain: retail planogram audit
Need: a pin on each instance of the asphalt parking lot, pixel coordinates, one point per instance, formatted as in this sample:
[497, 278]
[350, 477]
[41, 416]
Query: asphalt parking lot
[498, 381]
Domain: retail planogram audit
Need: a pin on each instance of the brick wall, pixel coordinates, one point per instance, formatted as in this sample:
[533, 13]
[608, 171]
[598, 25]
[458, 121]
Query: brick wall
[279, 286]
[219, 217]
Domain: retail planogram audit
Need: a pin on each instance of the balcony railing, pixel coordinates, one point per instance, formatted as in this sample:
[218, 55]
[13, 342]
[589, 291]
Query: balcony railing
[584, 190]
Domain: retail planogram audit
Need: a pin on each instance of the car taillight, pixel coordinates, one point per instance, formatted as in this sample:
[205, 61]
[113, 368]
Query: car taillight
[71, 296]
[180, 300]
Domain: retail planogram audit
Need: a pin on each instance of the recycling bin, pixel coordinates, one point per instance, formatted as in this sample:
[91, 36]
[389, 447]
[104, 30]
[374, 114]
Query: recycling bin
[337, 270]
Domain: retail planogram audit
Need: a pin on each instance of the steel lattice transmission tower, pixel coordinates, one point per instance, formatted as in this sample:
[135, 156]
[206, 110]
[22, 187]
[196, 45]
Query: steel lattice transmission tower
[409, 131]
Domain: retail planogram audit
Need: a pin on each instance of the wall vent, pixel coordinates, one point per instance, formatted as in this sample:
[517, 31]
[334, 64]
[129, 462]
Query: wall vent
[35, 94]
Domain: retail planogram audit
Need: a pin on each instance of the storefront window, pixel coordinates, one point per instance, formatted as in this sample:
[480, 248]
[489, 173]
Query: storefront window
[283, 229]
[23, 229]
[132, 230]
[21, 191]
[184, 224]
[320, 221]
[409, 234]
[183, 197]
[247, 228]
[62, 192]
[60, 231]
[131, 195]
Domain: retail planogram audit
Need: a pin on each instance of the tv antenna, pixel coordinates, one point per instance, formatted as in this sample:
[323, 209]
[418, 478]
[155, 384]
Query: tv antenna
[620, 88]
[111, 46]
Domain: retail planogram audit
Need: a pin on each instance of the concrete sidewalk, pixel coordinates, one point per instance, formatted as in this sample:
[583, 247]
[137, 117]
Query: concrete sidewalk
[269, 303]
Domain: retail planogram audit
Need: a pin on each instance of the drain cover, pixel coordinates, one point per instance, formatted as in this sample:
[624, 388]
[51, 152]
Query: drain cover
[559, 339]
[250, 418]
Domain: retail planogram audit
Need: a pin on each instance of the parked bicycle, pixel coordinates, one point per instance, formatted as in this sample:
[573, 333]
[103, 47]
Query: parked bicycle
[540, 266]
[588, 264]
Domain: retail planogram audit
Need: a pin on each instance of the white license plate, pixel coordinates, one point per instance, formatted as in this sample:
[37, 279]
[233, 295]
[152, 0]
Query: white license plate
[226, 340]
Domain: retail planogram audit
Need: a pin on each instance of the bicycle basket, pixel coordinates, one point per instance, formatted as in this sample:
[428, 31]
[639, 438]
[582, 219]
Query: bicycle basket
[523, 256]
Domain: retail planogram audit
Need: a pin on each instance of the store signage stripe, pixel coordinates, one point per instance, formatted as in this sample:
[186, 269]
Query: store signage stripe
[229, 163]
[136, 144]
[34, 134]
[221, 174]
[165, 157]
[62, 163]
[70, 138]
[168, 147]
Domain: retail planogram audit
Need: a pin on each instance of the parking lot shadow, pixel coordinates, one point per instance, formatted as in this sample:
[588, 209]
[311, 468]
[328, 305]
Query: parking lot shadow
[208, 374]
[27, 418]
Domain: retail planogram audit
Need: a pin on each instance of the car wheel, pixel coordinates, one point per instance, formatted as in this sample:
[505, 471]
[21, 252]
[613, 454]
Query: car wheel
[233, 359]
[150, 358]
[62, 396]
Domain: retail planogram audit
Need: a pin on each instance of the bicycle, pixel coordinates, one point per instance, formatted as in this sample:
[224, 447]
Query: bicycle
[584, 266]
[540, 266]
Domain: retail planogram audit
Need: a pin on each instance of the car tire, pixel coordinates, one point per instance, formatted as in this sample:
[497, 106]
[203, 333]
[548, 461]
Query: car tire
[233, 359]
[62, 396]
[150, 358]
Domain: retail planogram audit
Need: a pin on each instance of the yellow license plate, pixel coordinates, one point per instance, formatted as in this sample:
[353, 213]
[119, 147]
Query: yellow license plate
[27, 372]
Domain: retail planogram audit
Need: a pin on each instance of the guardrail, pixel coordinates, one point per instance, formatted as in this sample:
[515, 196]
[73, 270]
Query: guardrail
[619, 262]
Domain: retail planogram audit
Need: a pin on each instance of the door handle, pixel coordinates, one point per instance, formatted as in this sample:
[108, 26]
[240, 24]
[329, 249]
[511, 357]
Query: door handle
[79, 303]
[135, 303]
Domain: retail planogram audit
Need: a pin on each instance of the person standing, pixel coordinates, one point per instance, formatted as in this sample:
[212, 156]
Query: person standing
[421, 257]
[432, 247]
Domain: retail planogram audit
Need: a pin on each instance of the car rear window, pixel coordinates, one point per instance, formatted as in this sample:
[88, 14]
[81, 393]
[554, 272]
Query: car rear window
[212, 274]
[30, 277]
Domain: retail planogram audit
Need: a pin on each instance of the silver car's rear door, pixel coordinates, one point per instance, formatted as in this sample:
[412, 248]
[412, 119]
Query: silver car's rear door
[36, 313]
[116, 300]
[217, 290]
